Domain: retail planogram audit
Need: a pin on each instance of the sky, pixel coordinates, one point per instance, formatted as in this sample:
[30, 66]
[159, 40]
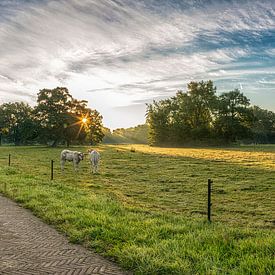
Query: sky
[121, 54]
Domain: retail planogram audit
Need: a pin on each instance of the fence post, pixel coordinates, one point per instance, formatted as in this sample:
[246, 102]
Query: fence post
[52, 169]
[209, 200]
[9, 159]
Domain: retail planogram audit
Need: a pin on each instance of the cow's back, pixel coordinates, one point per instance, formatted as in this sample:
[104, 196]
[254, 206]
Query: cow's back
[67, 155]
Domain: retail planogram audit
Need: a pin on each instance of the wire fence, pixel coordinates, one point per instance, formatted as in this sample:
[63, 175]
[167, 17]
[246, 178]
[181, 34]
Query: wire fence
[242, 204]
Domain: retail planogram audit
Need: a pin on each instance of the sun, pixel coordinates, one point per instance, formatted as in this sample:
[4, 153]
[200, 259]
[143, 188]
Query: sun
[82, 121]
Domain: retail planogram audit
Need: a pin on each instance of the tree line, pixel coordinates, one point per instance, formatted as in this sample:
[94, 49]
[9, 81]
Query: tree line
[200, 116]
[57, 118]
[137, 134]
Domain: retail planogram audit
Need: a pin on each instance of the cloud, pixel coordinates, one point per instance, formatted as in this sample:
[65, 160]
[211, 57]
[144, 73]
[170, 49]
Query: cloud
[137, 49]
[271, 52]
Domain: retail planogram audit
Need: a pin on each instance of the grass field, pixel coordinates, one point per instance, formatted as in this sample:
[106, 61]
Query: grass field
[147, 209]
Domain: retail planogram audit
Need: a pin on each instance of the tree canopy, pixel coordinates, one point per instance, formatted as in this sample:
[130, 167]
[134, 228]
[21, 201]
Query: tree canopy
[16, 123]
[57, 118]
[196, 116]
[137, 134]
[200, 116]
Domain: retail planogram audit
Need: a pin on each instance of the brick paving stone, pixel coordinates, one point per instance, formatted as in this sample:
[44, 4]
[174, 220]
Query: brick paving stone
[30, 247]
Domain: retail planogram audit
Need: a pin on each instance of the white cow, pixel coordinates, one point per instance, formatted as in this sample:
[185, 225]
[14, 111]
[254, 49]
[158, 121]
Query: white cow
[74, 156]
[94, 159]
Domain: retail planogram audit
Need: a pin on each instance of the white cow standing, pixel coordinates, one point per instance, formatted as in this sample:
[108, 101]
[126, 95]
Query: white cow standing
[94, 159]
[74, 156]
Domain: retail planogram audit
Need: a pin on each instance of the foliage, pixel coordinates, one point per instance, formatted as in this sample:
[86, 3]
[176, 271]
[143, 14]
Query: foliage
[17, 123]
[158, 115]
[234, 118]
[137, 134]
[200, 116]
[200, 102]
[54, 114]
[263, 125]
[57, 118]
[146, 210]
[187, 116]
[94, 127]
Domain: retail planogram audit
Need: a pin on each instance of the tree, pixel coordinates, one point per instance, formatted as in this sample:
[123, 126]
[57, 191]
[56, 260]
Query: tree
[263, 125]
[65, 119]
[201, 102]
[234, 117]
[184, 118]
[3, 123]
[157, 117]
[53, 112]
[75, 129]
[94, 127]
[137, 134]
[198, 116]
[17, 123]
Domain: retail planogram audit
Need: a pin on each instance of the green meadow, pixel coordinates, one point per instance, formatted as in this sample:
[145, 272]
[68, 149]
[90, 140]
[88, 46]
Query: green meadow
[147, 207]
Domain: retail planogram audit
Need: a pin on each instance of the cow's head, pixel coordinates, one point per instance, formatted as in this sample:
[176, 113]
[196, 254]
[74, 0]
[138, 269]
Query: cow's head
[81, 156]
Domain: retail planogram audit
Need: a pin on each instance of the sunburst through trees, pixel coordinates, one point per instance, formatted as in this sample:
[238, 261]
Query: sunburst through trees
[57, 118]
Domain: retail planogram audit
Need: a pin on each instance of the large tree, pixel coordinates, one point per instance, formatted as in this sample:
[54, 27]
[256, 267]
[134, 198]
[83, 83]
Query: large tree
[63, 118]
[157, 117]
[263, 125]
[17, 123]
[234, 117]
[199, 116]
[94, 127]
[184, 118]
[53, 112]
[201, 102]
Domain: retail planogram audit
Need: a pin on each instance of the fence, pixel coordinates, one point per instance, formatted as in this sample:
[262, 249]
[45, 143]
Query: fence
[231, 202]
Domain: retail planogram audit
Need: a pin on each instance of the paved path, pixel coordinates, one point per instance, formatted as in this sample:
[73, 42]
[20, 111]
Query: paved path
[29, 246]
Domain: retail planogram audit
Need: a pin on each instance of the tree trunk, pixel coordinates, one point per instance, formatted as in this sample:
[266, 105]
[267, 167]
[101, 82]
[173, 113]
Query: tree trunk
[54, 144]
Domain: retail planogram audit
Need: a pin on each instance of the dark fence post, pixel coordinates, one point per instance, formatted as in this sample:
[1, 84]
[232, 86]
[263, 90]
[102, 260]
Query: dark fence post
[9, 159]
[209, 200]
[52, 169]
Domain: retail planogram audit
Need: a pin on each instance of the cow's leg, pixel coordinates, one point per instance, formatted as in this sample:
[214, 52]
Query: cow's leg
[75, 166]
[92, 168]
[95, 167]
[62, 163]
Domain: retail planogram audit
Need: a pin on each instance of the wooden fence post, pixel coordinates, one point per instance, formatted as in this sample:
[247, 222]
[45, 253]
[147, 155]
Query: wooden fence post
[9, 159]
[52, 169]
[209, 200]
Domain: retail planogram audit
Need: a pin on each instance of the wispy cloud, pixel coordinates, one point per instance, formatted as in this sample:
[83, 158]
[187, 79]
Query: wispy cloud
[133, 50]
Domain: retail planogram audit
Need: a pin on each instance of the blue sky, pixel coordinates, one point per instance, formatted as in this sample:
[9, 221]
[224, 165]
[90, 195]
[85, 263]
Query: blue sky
[120, 54]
